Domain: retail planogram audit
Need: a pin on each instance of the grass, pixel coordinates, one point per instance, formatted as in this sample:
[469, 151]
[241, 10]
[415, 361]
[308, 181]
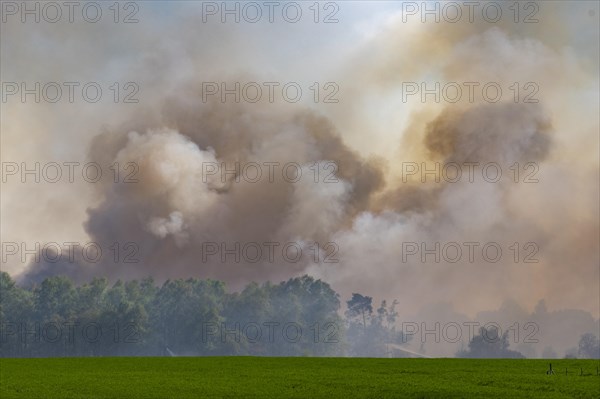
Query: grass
[256, 377]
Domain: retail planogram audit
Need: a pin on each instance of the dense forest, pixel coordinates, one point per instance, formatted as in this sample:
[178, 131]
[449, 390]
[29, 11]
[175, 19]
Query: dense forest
[299, 317]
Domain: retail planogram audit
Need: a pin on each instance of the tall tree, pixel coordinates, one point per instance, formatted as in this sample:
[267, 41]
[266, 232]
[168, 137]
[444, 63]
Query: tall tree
[359, 306]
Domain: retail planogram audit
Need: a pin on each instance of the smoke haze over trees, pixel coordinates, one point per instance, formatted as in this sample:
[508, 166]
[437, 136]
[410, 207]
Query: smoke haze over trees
[299, 317]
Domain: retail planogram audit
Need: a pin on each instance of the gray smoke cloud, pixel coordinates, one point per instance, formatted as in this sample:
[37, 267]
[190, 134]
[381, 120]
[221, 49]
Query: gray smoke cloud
[368, 211]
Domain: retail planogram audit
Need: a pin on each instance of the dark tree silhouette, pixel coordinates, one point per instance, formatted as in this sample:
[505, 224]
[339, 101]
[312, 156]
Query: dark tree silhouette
[359, 306]
[489, 344]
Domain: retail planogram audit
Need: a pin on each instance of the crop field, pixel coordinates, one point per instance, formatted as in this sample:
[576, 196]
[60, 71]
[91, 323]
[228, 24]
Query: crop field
[254, 377]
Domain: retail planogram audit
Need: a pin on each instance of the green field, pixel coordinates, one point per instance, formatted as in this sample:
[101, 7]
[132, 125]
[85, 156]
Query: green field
[229, 377]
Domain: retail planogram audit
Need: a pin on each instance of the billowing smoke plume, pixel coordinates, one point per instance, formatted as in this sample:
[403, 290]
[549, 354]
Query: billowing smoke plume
[358, 195]
[194, 191]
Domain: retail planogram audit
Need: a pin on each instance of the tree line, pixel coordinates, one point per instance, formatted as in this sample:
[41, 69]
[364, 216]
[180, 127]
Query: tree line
[193, 317]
